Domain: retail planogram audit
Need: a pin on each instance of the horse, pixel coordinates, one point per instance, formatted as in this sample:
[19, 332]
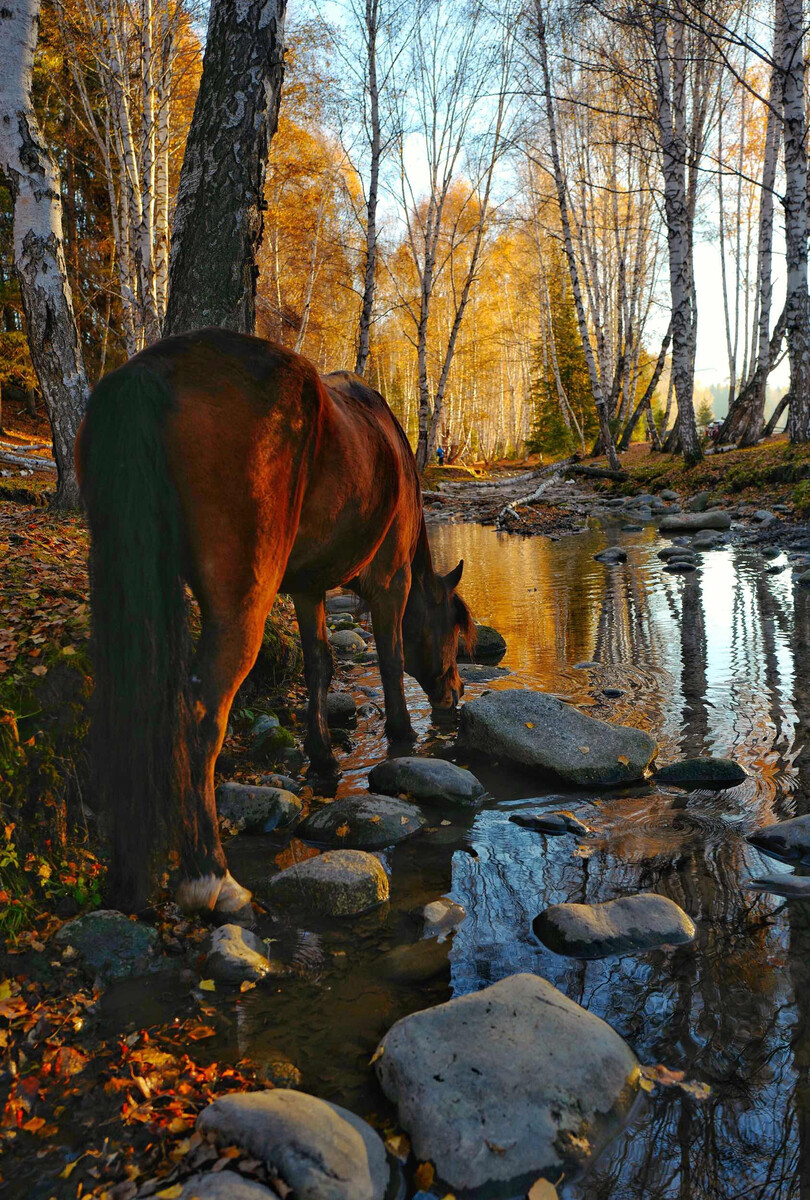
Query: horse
[222, 465]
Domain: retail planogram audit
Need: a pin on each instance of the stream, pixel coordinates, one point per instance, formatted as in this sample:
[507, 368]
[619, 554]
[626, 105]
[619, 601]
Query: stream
[717, 662]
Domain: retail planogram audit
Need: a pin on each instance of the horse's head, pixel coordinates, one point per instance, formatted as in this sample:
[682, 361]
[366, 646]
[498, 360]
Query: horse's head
[435, 618]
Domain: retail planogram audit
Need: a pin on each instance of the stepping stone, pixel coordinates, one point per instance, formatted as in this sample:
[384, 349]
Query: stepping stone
[787, 841]
[714, 774]
[257, 809]
[480, 672]
[339, 883]
[547, 1082]
[490, 646]
[319, 1151]
[441, 918]
[428, 779]
[109, 945]
[553, 823]
[629, 925]
[235, 954]
[611, 556]
[363, 822]
[537, 731]
[691, 522]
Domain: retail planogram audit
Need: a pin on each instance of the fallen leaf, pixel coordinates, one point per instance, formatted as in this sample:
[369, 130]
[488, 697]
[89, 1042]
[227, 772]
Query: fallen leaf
[542, 1190]
[247, 985]
[171, 1193]
[34, 1125]
[342, 830]
[424, 1175]
[530, 724]
[399, 1145]
[198, 1032]
[584, 749]
[207, 985]
[697, 1090]
[378, 1053]
[624, 760]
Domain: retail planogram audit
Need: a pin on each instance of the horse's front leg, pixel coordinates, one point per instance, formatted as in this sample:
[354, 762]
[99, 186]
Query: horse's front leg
[387, 609]
[318, 666]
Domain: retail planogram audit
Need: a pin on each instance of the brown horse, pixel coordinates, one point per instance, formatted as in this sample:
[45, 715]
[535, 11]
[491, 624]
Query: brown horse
[223, 462]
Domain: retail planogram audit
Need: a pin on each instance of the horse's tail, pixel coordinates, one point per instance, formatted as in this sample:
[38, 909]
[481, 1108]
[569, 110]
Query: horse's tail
[140, 638]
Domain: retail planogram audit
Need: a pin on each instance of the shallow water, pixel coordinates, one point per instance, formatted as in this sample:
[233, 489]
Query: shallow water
[714, 662]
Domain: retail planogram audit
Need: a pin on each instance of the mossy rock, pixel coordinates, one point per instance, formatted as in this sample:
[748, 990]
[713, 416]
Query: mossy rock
[280, 658]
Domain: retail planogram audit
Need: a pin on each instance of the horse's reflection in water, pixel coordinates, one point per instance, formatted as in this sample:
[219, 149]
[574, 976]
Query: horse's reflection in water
[224, 462]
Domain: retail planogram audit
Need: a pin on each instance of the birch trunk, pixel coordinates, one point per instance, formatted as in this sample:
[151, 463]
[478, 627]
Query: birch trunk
[596, 387]
[372, 16]
[670, 89]
[39, 256]
[218, 218]
[790, 21]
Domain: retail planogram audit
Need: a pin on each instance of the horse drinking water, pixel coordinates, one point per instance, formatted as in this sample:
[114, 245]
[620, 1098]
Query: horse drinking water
[224, 463]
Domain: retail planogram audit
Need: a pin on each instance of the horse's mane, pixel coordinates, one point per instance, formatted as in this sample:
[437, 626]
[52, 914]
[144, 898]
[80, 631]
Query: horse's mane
[466, 625]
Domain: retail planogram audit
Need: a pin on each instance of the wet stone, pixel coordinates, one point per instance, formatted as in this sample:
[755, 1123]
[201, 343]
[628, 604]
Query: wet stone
[432, 780]
[668, 495]
[363, 822]
[629, 925]
[698, 503]
[223, 1185]
[338, 883]
[319, 1151]
[490, 646]
[481, 673]
[341, 710]
[611, 556]
[415, 963]
[549, 1083]
[535, 730]
[441, 918]
[109, 945]
[612, 693]
[342, 604]
[285, 782]
[630, 528]
[691, 522]
[708, 539]
[554, 823]
[257, 809]
[709, 773]
[235, 954]
[787, 841]
[346, 641]
[792, 887]
[679, 567]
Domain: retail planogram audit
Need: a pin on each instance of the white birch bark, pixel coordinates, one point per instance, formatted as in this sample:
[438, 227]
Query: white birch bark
[790, 20]
[38, 242]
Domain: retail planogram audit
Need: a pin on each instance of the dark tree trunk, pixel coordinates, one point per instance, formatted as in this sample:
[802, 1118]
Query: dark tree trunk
[776, 414]
[645, 403]
[218, 220]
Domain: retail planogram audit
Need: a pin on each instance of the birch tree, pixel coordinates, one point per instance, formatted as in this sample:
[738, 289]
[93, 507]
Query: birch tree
[218, 217]
[38, 242]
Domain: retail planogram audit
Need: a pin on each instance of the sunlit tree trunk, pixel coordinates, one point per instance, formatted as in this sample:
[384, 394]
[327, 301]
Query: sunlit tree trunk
[218, 218]
[39, 256]
[370, 33]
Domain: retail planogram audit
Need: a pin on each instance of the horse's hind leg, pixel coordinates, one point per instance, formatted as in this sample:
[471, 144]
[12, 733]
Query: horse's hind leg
[318, 665]
[387, 608]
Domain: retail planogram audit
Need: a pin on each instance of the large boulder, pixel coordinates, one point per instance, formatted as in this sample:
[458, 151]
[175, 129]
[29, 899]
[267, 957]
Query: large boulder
[257, 809]
[532, 729]
[341, 710]
[690, 522]
[710, 773]
[490, 646]
[109, 945]
[319, 1151]
[235, 954]
[346, 641]
[433, 780]
[787, 841]
[339, 883]
[223, 1185]
[364, 822]
[507, 1084]
[629, 925]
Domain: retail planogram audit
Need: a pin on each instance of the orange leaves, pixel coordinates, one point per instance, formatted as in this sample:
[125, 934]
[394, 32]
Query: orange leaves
[666, 1077]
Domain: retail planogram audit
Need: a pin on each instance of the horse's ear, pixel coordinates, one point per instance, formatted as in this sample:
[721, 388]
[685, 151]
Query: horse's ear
[453, 578]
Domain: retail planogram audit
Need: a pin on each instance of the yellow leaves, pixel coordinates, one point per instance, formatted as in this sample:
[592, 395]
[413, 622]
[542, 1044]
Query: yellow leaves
[624, 760]
[171, 1193]
[542, 1190]
[399, 1146]
[342, 830]
[207, 985]
[40, 670]
[247, 985]
[378, 1053]
[424, 1176]
[530, 724]
[584, 749]
[650, 1076]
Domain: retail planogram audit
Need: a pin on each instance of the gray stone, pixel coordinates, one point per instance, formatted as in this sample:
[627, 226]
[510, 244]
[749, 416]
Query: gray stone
[764, 516]
[770, 552]
[677, 551]
[263, 723]
[109, 945]
[429, 779]
[441, 918]
[678, 567]
[481, 673]
[554, 823]
[416, 962]
[224, 1185]
[341, 710]
[804, 579]
[698, 503]
[490, 646]
[710, 773]
[629, 925]
[339, 883]
[669, 495]
[792, 887]
[257, 809]
[320, 1151]
[612, 693]
[708, 539]
[346, 641]
[691, 522]
[499, 1087]
[342, 604]
[586, 666]
[285, 782]
[532, 729]
[363, 822]
[777, 569]
[235, 954]
[629, 528]
[611, 555]
[787, 841]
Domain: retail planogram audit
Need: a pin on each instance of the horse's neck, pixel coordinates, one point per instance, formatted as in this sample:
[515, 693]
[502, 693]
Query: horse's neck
[422, 562]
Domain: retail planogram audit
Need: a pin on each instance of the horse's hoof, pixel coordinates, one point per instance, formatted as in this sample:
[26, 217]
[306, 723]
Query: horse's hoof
[405, 734]
[212, 893]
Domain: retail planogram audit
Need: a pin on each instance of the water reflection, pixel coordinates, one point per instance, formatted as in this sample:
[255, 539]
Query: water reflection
[714, 662]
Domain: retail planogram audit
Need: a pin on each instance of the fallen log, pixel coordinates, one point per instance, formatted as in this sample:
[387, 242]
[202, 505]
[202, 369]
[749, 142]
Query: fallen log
[34, 464]
[597, 473]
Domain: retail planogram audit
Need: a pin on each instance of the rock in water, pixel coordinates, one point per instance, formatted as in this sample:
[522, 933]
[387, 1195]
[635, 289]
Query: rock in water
[320, 1151]
[235, 954]
[554, 823]
[792, 887]
[341, 710]
[787, 841]
[257, 809]
[339, 883]
[415, 963]
[532, 729]
[612, 555]
[709, 773]
[514, 1081]
[481, 672]
[224, 1185]
[698, 503]
[429, 779]
[109, 945]
[346, 641]
[441, 918]
[690, 522]
[365, 822]
[629, 925]
[490, 646]
[708, 539]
